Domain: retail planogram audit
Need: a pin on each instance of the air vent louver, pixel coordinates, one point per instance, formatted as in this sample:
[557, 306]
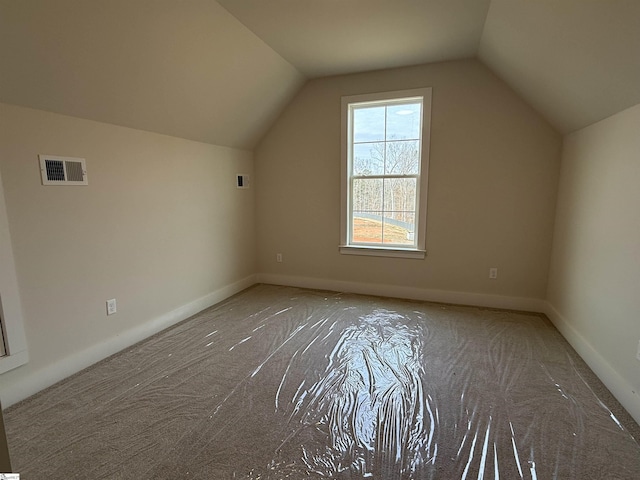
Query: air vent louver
[63, 170]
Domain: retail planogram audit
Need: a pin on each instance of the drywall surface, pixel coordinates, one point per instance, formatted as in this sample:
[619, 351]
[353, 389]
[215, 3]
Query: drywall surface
[595, 270]
[186, 68]
[572, 60]
[492, 186]
[160, 225]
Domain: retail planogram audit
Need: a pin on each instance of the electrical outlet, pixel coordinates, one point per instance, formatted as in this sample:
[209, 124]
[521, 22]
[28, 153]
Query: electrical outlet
[638, 352]
[493, 273]
[279, 257]
[111, 306]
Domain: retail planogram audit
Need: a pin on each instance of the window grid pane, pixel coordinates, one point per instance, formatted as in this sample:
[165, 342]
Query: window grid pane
[368, 158]
[384, 211]
[386, 146]
[367, 228]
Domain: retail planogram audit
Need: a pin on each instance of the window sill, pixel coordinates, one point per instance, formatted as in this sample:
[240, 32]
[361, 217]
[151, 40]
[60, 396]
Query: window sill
[9, 362]
[383, 252]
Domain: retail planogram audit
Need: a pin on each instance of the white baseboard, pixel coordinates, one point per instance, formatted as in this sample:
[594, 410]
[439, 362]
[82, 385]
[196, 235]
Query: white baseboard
[48, 376]
[619, 387]
[412, 293]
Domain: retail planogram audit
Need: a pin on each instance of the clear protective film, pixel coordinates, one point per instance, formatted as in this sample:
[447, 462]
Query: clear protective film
[282, 383]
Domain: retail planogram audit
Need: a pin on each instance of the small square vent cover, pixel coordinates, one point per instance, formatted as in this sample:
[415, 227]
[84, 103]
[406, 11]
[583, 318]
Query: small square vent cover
[63, 170]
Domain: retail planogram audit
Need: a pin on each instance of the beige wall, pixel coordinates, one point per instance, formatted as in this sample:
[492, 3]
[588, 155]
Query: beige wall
[160, 225]
[594, 281]
[492, 186]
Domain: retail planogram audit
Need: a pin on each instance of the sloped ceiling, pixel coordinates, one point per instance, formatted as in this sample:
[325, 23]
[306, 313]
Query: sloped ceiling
[331, 37]
[180, 67]
[220, 72]
[575, 61]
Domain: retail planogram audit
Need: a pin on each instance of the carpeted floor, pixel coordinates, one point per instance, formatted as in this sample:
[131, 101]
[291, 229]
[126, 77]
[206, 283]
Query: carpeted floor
[280, 382]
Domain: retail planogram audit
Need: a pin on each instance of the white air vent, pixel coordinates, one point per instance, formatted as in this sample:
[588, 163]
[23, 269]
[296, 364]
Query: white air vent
[63, 170]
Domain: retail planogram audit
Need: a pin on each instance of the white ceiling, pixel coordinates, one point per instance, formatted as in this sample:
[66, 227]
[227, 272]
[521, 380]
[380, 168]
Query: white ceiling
[328, 37]
[575, 61]
[194, 69]
[186, 68]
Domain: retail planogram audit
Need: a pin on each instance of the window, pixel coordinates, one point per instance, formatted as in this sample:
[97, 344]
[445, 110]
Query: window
[385, 152]
[14, 350]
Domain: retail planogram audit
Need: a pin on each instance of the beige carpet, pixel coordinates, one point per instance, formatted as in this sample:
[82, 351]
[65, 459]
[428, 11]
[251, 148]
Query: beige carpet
[279, 382]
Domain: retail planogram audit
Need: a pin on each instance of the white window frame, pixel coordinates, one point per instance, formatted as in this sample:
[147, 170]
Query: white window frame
[346, 247]
[10, 305]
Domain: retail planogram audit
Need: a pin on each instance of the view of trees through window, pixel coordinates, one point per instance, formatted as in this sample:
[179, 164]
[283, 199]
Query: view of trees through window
[385, 172]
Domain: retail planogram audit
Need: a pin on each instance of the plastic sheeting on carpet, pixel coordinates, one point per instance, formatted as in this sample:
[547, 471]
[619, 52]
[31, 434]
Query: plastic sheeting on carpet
[281, 383]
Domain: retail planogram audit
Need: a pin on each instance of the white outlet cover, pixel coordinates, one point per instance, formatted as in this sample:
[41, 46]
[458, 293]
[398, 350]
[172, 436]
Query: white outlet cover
[111, 306]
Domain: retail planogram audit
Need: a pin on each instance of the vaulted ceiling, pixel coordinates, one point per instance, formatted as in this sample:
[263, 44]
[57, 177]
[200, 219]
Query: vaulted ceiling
[220, 72]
